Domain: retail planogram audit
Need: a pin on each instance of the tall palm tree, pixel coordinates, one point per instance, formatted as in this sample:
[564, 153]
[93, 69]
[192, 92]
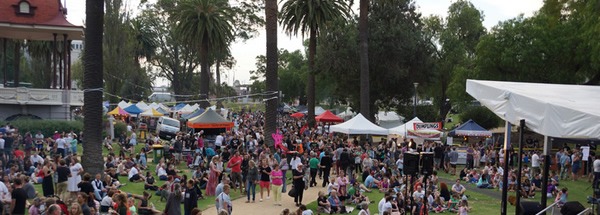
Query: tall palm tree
[92, 84]
[309, 16]
[271, 71]
[208, 26]
[363, 35]
[145, 44]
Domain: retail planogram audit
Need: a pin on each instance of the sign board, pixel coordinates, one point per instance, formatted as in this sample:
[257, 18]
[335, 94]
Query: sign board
[585, 150]
[428, 126]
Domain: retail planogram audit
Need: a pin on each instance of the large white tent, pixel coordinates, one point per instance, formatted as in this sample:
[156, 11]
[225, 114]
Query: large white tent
[142, 106]
[347, 114]
[358, 125]
[403, 129]
[389, 119]
[556, 110]
[122, 104]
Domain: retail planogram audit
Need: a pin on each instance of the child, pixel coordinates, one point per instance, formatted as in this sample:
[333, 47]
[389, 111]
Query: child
[463, 208]
[385, 185]
[131, 204]
[561, 197]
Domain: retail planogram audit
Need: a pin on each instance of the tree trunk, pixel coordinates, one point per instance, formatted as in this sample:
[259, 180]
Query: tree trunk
[204, 75]
[175, 83]
[92, 80]
[17, 62]
[271, 73]
[363, 28]
[218, 76]
[312, 51]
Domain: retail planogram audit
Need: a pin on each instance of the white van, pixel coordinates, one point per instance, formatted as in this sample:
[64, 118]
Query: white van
[161, 97]
[167, 127]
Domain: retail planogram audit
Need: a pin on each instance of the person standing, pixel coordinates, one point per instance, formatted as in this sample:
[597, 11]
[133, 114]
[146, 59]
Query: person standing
[576, 165]
[453, 160]
[174, 201]
[596, 170]
[76, 171]
[298, 182]
[283, 164]
[61, 146]
[235, 163]
[265, 180]
[313, 163]
[19, 198]
[63, 176]
[213, 177]
[535, 163]
[326, 163]
[277, 181]
[224, 201]
[190, 199]
[251, 181]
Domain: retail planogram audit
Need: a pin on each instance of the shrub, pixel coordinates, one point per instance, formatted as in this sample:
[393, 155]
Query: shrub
[47, 127]
[120, 127]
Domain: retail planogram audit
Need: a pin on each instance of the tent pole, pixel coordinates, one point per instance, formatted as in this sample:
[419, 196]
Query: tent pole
[505, 174]
[547, 158]
[521, 131]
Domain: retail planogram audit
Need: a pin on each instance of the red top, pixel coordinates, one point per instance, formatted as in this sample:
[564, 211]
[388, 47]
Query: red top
[235, 163]
[19, 153]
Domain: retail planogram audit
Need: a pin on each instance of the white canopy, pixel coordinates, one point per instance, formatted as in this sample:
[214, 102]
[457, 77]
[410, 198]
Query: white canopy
[153, 105]
[319, 110]
[388, 116]
[122, 104]
[142, 106]
[358, 125]
[402, 129]
[187, 109]
[556, 110]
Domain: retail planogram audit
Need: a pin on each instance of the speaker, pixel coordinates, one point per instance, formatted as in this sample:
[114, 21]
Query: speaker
[426, 163]
[530, 208]
[571, 208]
[411, 163]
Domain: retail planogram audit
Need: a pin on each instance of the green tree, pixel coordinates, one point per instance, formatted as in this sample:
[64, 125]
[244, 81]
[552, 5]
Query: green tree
[291, 73]
[207, 25]
[363, 36]
[92, 103]
[310, 17]
[454, 41]
[41, 63]
[482, 116]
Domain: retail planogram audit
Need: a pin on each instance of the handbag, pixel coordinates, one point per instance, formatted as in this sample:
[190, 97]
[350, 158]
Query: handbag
[292, 192]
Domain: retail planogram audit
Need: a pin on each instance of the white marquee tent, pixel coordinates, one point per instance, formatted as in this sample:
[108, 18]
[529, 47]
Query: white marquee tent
[358, 125]
[142, 106]
[403, 129]
[122, 104]
[556, 110]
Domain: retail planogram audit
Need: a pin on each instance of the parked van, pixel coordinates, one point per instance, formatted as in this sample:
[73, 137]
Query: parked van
[161, 97]
[167, 127]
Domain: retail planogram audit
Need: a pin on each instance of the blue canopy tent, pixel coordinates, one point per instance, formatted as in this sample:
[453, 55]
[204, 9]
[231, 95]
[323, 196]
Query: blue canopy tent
[193, 114]
[133, 110]
[470, 129]
[178, 106]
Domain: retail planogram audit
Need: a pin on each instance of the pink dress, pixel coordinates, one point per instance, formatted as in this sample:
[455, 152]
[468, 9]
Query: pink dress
[279, 180]
[213, 179]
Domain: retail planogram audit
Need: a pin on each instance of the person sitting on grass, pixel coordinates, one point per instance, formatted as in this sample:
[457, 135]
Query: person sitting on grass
[561, 197]
[453, 202]
[371, 182]
[134, 174]
[527, 190]
[463, 208]
[356, 195]
[323, 204]
[458, 188]
[512, 183]
[484, 181]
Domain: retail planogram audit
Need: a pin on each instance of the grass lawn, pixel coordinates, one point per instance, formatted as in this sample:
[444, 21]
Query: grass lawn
[138, 188]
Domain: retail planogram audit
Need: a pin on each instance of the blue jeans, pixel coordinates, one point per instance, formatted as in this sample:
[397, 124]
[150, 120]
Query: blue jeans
[251, 186]
[283, 189]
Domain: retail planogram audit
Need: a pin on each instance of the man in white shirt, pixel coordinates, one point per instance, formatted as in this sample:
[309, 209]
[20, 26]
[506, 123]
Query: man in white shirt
[382, 203]
[134, 174]
[458, 188]
[5, 196]
[36, 158]
[535, 163]
[596, 169]
[61, 145]
[419, 193]
[219, 140]
[162, 173]
[99, 190]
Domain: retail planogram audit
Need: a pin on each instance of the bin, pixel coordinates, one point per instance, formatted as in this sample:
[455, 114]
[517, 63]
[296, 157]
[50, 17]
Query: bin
[158, 152]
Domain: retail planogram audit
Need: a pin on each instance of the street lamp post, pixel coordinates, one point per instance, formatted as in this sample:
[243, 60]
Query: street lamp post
[415, 100]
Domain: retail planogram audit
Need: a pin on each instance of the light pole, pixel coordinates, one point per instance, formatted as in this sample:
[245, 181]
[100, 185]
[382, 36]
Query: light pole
[415, 100]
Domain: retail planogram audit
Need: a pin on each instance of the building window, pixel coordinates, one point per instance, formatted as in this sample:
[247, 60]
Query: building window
[24, 7]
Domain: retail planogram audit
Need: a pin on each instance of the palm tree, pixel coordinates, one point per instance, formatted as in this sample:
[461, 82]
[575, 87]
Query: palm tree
[145, 44]
[271, 71]
[363, 35]
[92, 83]
[308, 16]
[208, 26]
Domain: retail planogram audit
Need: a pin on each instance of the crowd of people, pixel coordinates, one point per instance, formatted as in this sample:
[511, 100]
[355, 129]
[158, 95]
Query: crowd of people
[238, 160]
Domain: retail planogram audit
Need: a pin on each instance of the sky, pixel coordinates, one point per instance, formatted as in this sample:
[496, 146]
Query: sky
[245, 53]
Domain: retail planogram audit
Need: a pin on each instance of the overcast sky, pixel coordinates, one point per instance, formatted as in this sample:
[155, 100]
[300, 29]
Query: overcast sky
[245, 53]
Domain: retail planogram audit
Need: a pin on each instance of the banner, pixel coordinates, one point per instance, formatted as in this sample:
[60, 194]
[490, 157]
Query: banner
[431, 134]
[428, 126]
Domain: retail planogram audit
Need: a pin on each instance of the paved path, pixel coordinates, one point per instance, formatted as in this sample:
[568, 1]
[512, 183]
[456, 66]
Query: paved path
[267, 206]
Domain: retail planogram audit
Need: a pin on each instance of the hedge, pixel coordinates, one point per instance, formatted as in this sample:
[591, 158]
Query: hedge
[47, 127]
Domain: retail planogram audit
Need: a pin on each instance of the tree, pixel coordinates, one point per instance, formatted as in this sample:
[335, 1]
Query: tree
[363, 29]
[291, 73]
[310, 17]
[454, 42]
[41, 63]
[271, 73]
[92, 103]
[206, 25]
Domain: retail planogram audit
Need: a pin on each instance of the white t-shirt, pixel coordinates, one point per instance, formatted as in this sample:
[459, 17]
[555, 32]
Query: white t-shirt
[133, 171]
[2, 143]
[387, 206]
[307, 212]
[4, 194]
[535, 160]
[419, 194]
[61, 143]
[161, 171]
[380, 206]
[597, 165]
[294, 162]
[223, 197]
[219, 140]
[36, 158]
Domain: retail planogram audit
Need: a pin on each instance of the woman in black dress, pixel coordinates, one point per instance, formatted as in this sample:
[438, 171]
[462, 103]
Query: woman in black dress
[47, 181]
[298, 182]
